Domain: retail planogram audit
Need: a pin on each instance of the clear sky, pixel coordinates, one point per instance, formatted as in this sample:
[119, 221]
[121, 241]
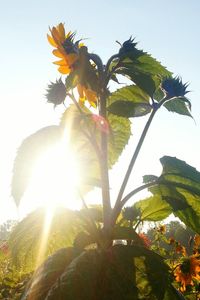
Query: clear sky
[169, 30]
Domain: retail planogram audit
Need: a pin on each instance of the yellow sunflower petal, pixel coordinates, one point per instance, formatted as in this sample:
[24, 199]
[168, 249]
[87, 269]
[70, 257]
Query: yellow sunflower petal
[51, 41]
[56, 35]
[91, 95]
[61, 30]
[61, 62]
[80, 89]
[68, 34]
[64, 69]
[81, 45]
[57, 53]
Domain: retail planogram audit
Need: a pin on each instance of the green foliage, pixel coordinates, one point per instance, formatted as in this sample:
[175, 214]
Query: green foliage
[122, 272]
[180, 105]
[179, 186]
[145, 71]
[153, 209]
[35, 237]
[129, 101]
[45, 276]
[84, 149]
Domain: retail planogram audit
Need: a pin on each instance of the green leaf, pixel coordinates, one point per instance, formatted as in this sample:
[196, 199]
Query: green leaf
[28, 153]
[122, 272]
[47, 274]
[130, 93]
[129, 101]
[27, 237]
[82, 126]
[128, 109]
[180, 105]
[179, 186]
[153, 209]
[142, 69]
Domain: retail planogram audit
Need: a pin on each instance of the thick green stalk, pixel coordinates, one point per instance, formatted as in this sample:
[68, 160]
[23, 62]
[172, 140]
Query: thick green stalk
[104, 169]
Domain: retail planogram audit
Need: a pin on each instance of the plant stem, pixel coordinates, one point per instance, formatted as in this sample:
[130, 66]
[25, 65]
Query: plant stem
[104, 169]
[133, 160]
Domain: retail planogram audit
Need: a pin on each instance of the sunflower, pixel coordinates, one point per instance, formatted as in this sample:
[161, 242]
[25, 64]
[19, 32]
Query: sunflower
[188, 271]
[66, 50]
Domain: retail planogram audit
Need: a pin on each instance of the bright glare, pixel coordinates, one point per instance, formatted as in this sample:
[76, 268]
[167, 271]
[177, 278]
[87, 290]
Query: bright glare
[54, 181]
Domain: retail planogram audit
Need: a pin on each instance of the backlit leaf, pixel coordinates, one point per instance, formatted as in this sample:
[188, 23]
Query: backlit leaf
[28, 153]
[28, 243]
[153, 209]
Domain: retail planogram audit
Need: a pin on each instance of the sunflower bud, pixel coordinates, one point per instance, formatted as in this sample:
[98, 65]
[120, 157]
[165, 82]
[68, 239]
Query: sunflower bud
[174, 87]
[131, 213]
[128, 46]
[56, 92]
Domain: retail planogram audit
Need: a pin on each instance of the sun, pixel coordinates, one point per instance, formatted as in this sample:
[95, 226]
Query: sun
[54, 181]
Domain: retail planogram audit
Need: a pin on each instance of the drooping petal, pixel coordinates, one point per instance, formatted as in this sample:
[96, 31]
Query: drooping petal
[91, 96]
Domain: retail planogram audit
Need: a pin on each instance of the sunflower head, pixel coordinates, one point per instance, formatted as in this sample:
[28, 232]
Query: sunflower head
[65, 48]
[174, 87]
[56, 92]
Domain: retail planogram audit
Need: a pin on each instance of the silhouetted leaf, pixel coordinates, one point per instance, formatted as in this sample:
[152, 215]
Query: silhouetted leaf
[121, 273]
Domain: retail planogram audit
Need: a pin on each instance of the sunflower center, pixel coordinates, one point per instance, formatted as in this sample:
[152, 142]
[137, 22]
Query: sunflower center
[185, 267]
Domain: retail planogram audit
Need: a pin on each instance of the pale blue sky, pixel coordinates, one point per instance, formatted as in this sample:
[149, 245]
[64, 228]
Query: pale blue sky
[169, 30]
